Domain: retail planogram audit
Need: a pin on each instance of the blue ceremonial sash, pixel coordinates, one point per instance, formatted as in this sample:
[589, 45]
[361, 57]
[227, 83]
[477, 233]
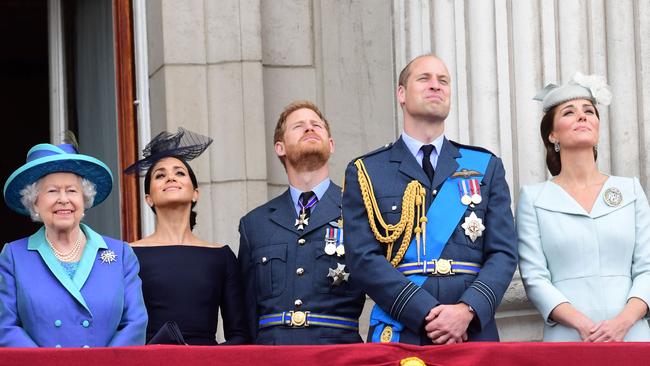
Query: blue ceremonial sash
[442, 217]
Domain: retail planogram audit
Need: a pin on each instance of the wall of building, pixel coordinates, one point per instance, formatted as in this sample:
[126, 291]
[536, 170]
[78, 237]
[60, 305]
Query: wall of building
[226, 68]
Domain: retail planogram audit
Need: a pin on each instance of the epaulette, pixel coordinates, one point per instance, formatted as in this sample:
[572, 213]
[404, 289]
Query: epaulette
[373, 152]
[471, 147]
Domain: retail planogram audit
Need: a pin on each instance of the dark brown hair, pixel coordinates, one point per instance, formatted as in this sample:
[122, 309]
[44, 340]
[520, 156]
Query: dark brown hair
[553, 162]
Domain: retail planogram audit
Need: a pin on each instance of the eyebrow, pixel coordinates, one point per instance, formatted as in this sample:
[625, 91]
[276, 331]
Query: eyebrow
[175, 167]
[53, 185]
[307, 120]
[574, 106]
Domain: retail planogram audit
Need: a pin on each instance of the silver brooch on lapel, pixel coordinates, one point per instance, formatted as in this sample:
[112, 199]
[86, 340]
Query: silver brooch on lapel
[613, 197]
[473, 226]
[108, 256]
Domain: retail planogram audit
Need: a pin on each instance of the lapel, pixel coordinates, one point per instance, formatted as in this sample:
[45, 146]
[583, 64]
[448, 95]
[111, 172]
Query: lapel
[283, 212]
[407, 163]
[624, 185]
[89, 256]
[553, 198]
[37, 242]
[447, 164]
[445, 167]
[326, 210]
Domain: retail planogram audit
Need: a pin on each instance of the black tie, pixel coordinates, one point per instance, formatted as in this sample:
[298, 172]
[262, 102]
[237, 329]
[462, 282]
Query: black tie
[305, 203]
[426, 161]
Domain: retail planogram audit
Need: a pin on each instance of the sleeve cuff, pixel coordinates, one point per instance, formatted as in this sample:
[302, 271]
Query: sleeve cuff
[412, 305]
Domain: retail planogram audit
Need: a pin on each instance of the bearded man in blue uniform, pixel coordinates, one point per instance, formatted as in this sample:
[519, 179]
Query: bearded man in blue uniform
[298, 290]
[429, 230]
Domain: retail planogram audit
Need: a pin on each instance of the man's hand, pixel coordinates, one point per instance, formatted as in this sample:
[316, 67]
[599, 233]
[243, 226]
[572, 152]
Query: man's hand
[447, 324]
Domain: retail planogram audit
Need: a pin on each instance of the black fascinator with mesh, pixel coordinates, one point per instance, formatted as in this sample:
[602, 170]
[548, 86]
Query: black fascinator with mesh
[183, 144]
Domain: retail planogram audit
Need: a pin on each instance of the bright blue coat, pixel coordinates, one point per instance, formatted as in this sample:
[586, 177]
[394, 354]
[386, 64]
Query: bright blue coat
[41, 306]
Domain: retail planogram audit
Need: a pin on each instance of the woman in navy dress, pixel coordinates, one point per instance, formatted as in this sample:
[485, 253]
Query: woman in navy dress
[186, 280]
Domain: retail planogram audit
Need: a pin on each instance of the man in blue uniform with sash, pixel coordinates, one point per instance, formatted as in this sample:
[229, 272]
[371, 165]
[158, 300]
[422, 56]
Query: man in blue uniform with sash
[298, 289]
[429, 232]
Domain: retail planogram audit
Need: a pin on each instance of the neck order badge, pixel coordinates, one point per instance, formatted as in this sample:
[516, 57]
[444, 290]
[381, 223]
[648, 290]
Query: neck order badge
[307, 201]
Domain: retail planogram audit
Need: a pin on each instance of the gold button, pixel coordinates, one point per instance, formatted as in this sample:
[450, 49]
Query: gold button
[298, 303]
[300, 271]
[264, 260]
[301, 241]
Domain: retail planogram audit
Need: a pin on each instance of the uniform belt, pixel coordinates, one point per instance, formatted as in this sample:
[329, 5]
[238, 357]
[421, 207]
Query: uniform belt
[301, 319]
[439, 267]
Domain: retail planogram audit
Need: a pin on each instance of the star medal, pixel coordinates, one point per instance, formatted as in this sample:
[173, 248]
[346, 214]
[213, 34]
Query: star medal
[613, 197]
[465, 198]
[108, 256]
[475, 189]
[330, 240]
[473, 226]
[338, 275]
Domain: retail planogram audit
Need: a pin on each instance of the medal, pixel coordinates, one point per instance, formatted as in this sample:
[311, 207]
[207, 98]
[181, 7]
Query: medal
[302, 219]
[330, 249]
[338, 275]
[340, 249]
[473, 226]
[330, 240]
[465, 198]
[613, 197]
[475, 189]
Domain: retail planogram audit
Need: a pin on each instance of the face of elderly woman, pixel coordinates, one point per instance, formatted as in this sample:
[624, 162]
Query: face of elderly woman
[575, 125]
[60, 201]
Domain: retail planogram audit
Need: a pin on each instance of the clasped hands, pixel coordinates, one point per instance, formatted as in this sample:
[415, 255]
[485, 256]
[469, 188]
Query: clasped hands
[447, 324]
[611, 330]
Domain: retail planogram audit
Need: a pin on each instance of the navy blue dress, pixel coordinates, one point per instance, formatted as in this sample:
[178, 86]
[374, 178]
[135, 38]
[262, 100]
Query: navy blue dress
[188, 284]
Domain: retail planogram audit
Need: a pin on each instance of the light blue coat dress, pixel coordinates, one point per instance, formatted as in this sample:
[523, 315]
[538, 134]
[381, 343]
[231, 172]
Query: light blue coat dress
[596, 261]
[41, 306]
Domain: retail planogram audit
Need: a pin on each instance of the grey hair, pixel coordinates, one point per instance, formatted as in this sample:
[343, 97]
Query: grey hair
[29, 194]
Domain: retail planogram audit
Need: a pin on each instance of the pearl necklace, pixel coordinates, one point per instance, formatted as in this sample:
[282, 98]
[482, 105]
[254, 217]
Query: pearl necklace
[72, 254]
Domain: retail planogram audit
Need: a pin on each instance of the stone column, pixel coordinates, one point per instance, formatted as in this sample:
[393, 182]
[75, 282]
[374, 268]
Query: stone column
[205, 67]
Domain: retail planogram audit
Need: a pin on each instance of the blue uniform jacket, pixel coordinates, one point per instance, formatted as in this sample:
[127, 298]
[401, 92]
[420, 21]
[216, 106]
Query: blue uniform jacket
[41, 306]
[391, 169]
[270, 253]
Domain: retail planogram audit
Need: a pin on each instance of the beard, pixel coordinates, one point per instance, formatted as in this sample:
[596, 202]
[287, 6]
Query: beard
[307, 157]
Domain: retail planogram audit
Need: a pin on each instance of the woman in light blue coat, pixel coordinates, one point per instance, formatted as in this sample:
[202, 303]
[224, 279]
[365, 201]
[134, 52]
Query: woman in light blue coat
[66, 285]
[584, 236]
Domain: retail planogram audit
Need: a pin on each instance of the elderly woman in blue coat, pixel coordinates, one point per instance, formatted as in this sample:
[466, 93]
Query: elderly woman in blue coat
[66, 285]
[584, 236]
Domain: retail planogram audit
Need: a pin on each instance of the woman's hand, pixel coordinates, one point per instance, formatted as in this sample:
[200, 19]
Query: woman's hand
[567, 315]
[614, 330]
